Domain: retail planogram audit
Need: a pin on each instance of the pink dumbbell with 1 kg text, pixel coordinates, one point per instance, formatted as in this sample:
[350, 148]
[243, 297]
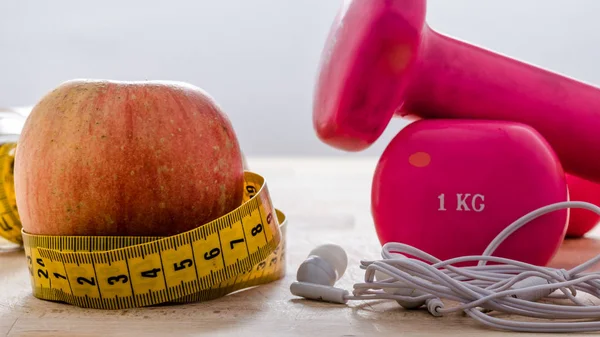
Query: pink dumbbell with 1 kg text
[449, 187]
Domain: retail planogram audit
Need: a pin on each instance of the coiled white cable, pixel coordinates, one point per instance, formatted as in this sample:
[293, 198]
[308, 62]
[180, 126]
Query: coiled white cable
[510, 287]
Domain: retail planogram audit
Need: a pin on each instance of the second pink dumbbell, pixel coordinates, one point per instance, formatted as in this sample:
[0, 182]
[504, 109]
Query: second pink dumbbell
[381, 57]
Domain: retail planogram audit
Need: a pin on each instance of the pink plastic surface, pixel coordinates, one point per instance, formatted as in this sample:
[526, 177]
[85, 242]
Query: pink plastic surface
[581, 221]
[449, 187]
[381, 57]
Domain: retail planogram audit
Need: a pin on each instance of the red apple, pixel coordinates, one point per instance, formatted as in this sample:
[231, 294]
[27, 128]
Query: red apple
[99, 157]
[582, 221]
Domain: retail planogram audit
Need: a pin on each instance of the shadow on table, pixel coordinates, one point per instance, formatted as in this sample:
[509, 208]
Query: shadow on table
[233, 312]
[575, 251]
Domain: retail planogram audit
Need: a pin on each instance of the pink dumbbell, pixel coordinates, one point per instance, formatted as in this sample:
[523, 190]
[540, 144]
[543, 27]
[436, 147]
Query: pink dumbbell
[381, 57]
[449, 187]
[581, 221]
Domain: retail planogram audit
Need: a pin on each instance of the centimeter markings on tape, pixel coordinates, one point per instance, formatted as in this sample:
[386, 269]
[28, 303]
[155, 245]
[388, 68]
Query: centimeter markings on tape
[10, 224]
[243, 248]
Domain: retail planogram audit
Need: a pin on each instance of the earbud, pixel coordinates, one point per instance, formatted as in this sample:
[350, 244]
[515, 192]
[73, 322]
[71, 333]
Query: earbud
[318, 273]
[325, 265]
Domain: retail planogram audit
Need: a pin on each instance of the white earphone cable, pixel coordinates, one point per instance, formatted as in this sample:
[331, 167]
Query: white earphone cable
[510, 287]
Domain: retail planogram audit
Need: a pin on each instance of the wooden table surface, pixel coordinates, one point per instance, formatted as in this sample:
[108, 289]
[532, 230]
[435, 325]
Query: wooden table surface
[326, 200]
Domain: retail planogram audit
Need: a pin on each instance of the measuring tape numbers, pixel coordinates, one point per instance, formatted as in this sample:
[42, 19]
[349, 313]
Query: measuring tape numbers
[241, 249]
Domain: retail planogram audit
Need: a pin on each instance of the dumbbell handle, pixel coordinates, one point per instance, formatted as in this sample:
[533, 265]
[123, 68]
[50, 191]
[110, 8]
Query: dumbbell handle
[459, 80]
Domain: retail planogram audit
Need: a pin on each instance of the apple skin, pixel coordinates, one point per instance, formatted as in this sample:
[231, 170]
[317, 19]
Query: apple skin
[147, 158]
[581, 221]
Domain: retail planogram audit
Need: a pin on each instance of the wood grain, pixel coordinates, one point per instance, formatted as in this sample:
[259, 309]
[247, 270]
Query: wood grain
[326, 200]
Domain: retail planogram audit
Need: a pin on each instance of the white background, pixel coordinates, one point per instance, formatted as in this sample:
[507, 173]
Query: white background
[258, 58]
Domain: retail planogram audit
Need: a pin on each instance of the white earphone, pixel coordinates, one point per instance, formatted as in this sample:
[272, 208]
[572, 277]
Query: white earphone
[319, 272]
[509, 286]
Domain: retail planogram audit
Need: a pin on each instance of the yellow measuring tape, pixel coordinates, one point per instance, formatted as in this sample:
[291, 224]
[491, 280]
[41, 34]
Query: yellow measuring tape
[243, 248]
